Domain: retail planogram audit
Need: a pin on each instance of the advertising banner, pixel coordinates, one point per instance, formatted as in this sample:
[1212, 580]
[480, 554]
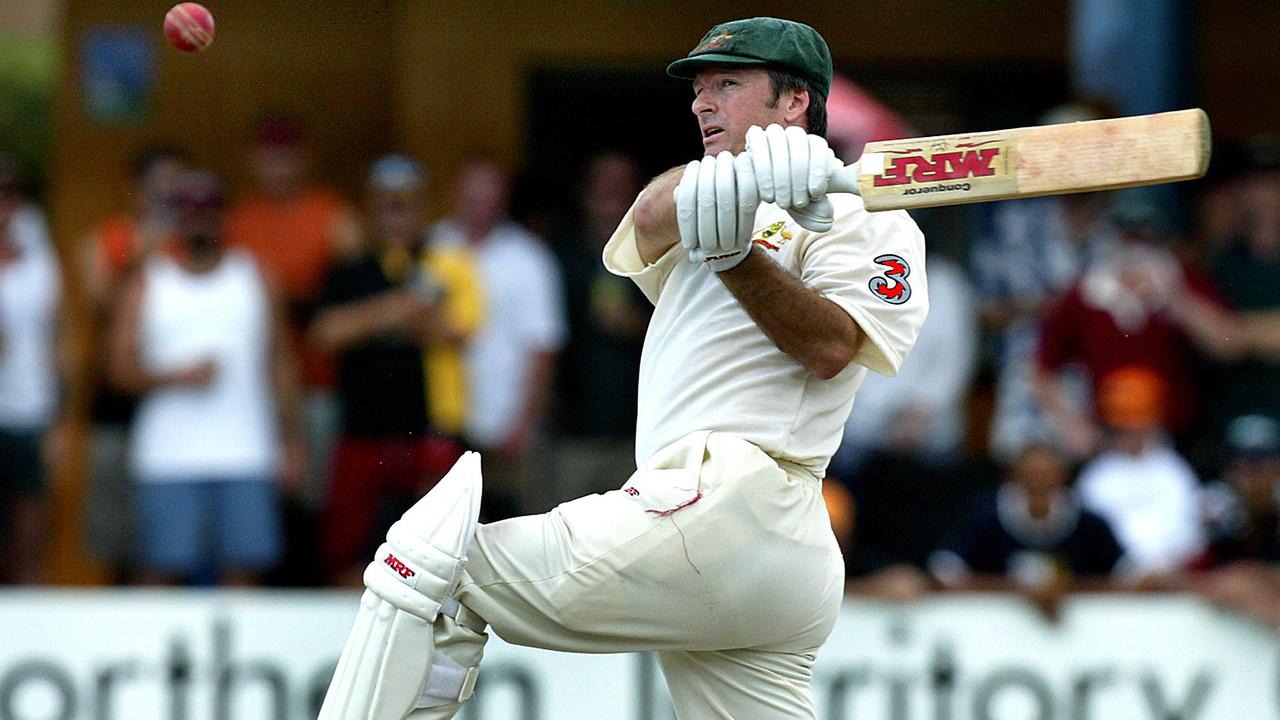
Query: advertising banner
[215, 655]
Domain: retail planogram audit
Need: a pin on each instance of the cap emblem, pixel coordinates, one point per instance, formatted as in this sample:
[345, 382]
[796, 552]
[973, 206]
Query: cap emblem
[716, 42]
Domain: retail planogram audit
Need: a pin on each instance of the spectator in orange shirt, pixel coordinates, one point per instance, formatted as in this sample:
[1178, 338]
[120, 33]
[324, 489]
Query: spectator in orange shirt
[297, 230]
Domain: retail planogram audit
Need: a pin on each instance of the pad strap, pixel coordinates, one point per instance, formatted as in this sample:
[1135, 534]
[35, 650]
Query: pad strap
[448, 682]
[463, 616]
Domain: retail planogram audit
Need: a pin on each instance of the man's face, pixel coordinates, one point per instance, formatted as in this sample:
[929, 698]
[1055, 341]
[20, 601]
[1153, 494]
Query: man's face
[1256, 479]
[200, 220]
[278, 168]
[727, 101]
[158, 183]
[1043, 475]
[482, 194]
[612, 185]
[397, 213]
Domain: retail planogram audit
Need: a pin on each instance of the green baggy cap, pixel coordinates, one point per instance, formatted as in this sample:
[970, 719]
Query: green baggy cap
[761, 41]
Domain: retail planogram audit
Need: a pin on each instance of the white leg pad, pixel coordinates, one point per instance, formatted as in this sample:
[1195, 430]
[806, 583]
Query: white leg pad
[384, 665]
[385, 668]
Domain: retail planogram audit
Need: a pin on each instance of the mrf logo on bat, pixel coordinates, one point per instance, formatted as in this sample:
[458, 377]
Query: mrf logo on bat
[942, 163]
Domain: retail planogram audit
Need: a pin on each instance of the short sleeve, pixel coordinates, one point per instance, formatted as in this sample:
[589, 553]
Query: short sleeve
[872, 265]
[622, 257]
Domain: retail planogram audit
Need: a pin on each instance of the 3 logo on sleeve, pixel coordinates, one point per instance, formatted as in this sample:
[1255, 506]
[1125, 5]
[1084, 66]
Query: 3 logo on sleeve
[892, 286]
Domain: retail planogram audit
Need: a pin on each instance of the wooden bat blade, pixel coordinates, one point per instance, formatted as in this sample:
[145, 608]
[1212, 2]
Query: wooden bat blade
[1026, 162]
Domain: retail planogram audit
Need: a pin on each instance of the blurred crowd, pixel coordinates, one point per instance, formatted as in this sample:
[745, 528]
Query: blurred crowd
[1093, 403]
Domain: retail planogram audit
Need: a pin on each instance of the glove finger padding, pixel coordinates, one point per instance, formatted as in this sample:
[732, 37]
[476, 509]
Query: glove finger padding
[726, 203]
[707, 239]
[798, 154]
[779, 165]
[758, 152]
[821, 160]
[748, 197]
[686, 197]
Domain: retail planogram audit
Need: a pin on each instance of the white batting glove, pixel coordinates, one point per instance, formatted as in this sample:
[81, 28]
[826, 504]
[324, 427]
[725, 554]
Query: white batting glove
[716, 203]
[793, 169]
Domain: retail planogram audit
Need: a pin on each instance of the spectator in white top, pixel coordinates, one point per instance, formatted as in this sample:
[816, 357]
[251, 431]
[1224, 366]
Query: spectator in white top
[200, 338]
[511, 358]
[1140, 484]
[30, 292]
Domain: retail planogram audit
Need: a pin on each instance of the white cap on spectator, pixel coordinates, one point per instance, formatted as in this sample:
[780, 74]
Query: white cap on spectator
[1254, 436]
[396, 172]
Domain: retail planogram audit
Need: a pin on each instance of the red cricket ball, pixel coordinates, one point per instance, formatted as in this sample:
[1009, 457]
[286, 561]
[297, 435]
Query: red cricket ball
[189, 27]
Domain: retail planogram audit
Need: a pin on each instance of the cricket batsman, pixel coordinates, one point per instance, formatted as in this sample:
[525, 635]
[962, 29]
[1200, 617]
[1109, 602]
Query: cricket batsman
[771, 302]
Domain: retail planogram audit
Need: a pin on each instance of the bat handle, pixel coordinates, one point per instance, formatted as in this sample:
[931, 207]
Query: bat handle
[844, 178]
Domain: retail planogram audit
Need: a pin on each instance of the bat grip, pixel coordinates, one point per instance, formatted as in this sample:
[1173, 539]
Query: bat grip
[844, 178]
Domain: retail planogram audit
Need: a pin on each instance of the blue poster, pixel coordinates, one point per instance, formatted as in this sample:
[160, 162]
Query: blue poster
[118, 74]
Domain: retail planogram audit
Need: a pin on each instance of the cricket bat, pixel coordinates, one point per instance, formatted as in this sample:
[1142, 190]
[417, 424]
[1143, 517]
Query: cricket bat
[1030, 161]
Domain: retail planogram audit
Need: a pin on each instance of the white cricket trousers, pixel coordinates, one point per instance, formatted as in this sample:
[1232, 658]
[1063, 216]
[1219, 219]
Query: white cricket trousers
[713, 555]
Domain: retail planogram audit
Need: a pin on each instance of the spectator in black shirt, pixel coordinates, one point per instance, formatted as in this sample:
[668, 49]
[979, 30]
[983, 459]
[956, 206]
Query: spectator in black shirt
[1242, 510]
[1031, 536]
[903, 500]
[1242, 520]
[378, 312]
[608, 316]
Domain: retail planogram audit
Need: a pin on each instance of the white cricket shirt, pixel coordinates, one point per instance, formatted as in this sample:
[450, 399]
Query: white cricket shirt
[706, 365]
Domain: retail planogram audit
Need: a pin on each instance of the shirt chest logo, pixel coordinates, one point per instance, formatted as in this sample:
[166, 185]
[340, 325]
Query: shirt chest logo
[773, 236]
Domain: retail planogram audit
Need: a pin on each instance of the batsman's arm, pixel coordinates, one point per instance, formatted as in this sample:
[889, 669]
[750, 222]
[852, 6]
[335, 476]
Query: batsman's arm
[800, 322]
[655, 216]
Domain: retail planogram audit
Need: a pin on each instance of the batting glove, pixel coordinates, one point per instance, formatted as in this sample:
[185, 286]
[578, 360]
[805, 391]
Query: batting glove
[716, 203]
[793, 170]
